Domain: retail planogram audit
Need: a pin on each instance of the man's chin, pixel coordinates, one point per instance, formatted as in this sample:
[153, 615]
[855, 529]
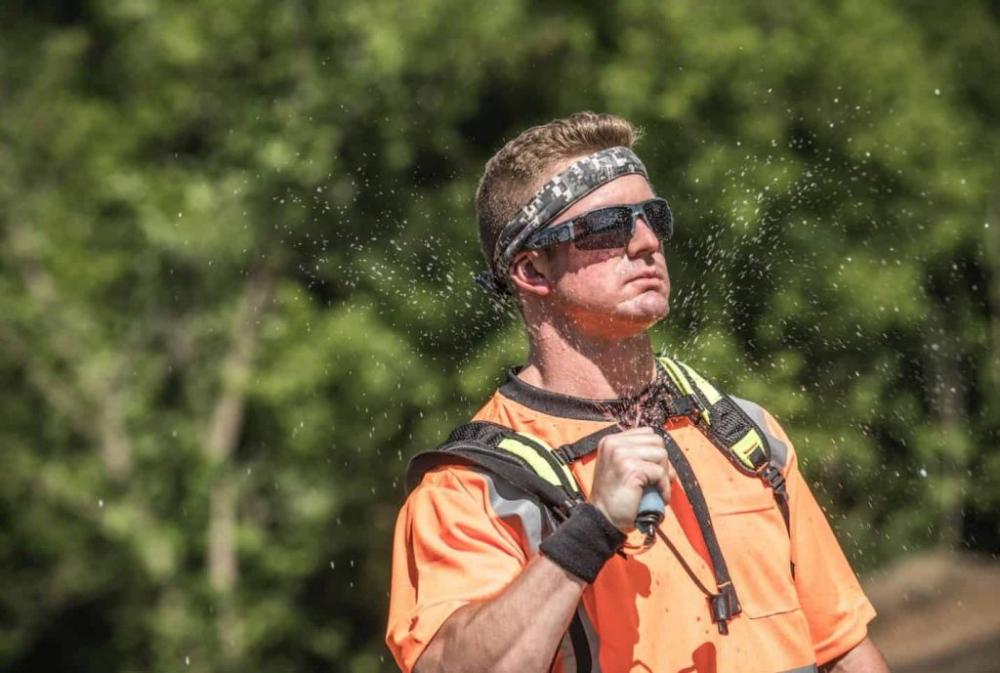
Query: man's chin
[636, 317]
[648, 308]
[627, 319]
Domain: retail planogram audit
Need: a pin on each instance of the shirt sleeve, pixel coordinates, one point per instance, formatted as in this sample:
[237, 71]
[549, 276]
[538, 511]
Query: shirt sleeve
[831, 597]
[449, 549]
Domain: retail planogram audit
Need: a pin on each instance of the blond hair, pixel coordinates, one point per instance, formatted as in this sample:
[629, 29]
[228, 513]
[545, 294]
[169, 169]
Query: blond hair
[518, 170]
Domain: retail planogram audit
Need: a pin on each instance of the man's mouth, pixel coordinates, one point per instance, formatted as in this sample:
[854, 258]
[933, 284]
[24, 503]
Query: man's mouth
[646, 276]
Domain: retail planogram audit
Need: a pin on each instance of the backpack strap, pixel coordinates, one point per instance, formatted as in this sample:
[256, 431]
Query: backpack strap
[741, 439]
[570, 453]
[724, 605]
[520, 459]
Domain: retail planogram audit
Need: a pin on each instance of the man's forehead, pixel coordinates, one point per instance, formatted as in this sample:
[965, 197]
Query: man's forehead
[626, 189]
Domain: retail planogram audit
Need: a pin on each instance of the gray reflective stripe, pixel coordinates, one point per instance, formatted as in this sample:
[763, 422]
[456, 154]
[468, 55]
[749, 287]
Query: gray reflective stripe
[592, 639]
[567, 654]
[508, 506]
[569, 664]
[811, 668]
[779, 450]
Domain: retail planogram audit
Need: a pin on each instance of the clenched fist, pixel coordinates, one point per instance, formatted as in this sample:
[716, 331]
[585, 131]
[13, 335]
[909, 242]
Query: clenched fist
[627, 462]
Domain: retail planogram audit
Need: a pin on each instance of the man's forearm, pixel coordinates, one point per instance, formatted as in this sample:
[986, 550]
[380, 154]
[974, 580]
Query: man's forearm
[517, 630]
[864, 658]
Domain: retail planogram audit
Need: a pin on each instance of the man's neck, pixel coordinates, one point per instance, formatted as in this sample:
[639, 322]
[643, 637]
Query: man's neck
[593, 368]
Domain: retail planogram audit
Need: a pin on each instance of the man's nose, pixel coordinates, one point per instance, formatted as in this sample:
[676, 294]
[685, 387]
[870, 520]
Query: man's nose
[644, 240]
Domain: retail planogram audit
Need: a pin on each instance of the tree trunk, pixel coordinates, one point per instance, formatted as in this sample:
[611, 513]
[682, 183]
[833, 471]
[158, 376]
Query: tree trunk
[222, 438]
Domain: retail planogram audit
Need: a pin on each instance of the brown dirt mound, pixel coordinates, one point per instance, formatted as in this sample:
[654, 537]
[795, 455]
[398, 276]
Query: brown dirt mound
[938, 611]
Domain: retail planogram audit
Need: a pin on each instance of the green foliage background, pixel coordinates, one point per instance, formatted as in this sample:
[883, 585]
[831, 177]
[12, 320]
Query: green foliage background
[236, 249]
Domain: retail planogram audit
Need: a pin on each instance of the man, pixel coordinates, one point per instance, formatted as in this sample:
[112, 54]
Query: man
[475, 587]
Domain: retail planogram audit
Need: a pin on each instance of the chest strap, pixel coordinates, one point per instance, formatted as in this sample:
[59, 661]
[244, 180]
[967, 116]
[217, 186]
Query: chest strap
[723, 605]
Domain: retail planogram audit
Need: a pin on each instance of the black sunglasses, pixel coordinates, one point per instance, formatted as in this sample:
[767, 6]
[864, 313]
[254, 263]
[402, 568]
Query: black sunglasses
[611, 227]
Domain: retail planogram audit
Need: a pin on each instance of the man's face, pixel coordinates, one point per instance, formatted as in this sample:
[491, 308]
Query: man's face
[611, 293]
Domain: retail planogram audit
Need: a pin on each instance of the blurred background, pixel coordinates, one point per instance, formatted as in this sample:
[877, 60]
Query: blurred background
[237, 242]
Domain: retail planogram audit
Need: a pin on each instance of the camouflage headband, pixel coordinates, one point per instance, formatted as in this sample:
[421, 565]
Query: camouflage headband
[555, 197]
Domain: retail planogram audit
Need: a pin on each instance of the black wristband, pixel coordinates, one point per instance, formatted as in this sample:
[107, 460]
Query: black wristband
[583, 543]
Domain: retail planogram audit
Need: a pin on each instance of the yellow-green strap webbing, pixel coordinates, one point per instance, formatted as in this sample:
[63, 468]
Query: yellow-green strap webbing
[538, 464]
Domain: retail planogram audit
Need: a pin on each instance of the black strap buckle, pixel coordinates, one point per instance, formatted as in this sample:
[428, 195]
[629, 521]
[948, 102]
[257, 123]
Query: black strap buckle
[724, 606]
[774, 478]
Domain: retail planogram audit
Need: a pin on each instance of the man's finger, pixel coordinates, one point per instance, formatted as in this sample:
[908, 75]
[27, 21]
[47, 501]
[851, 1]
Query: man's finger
[666, 483]
[648, 454]
[649, 473]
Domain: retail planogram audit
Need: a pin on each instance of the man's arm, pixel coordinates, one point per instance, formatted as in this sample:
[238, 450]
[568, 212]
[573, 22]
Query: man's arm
[831, 596]
[863, 658]
[518, 630]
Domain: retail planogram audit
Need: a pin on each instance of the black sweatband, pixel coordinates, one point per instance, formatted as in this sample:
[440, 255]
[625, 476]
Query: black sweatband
[583, 543]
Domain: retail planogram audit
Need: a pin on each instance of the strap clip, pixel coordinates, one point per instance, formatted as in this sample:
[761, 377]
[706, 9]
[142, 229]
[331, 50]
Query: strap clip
[774, 478]
[724, 606]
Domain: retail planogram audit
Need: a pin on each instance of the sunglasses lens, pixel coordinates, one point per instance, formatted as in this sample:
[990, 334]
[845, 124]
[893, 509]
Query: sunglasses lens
[659, 218]
[601, 229]
[613, 227]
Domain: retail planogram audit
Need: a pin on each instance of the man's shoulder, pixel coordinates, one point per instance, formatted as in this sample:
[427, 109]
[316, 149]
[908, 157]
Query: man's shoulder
[490, 409]
[449, 485]
[432, 470]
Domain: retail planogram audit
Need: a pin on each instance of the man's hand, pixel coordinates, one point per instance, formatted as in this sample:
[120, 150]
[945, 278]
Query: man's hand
[627, 462]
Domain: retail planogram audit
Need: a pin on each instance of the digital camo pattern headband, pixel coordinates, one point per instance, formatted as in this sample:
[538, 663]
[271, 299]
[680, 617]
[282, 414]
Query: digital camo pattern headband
[555, 197]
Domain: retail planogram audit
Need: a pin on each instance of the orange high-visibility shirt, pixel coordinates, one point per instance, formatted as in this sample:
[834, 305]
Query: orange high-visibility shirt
[459, 538]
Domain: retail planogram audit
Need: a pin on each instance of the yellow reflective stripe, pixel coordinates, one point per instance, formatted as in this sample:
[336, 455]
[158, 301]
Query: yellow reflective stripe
[570, 479]
[677, 375]
[537, 463]
[674, 372]
[528, 454]
[744, 447]
[706, 388]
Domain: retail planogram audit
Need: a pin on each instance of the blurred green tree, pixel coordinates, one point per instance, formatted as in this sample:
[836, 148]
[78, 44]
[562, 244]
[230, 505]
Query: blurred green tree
[235, 284]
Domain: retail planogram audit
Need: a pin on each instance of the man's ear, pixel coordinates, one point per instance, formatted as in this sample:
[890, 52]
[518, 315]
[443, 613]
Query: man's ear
[530, 273]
